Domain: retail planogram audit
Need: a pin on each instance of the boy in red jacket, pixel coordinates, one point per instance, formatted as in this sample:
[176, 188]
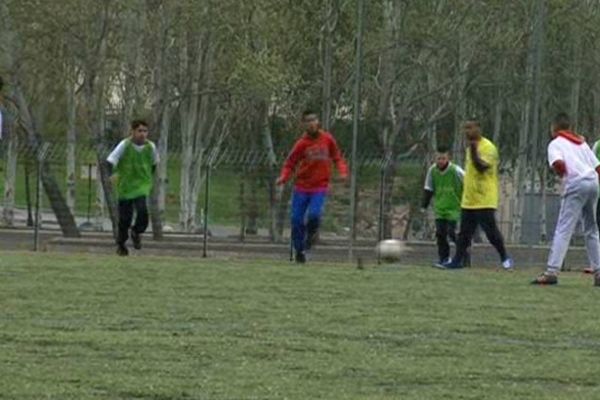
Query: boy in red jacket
[313, 155]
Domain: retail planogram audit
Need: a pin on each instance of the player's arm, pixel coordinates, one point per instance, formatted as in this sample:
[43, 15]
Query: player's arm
[479, 162]
[556, 160]
[113, 158]
[460, 173]
[290, 163]
[428, 191]
[155, 158]
[338, 158]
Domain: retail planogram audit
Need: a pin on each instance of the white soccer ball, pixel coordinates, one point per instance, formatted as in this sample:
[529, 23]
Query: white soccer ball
[389, 250]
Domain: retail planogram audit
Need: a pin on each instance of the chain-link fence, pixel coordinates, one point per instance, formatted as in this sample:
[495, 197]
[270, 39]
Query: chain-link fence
[230, 192]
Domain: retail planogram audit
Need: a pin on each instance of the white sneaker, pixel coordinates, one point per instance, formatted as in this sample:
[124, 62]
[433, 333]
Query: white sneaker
[508, 264]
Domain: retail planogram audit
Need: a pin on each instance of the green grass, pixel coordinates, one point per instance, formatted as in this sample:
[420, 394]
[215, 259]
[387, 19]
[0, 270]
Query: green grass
[78, 327]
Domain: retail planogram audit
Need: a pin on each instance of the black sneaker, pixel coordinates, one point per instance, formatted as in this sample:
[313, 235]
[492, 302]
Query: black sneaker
[122, 250]
[300, 257]
[136, 239]
[546, 279]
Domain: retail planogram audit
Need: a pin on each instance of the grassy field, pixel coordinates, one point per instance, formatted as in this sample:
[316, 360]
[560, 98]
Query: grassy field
[77, 327]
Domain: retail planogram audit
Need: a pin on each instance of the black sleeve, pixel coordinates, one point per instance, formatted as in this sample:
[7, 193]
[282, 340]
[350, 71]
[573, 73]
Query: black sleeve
[109, 168]
[427, 196]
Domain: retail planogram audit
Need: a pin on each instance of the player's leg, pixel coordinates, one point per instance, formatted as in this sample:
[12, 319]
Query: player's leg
[453, 237]
[487, 220]
[468, 223]
[299, 205]
[568, 216]
[125, 217]
[441, 236]
[590, 228]
[141, 221]
[316, 206]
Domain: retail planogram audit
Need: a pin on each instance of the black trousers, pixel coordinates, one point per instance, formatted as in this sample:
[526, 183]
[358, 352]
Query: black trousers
[486, 219]
[126, 209]
[444, 230]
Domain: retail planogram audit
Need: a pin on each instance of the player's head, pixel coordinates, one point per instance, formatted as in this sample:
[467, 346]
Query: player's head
[139, 131]
[472, 128]
[561, 122]
[442, 157]
[310, 122]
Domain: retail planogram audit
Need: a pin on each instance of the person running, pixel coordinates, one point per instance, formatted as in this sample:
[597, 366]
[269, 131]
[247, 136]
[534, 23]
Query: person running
[311, 159]
[444, 184]
[479, 198]
[134, 162]
[573, 160]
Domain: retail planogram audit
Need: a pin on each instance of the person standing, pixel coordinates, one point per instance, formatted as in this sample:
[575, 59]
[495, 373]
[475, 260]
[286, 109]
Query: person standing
[479, 199]
[311, 159]
[444, 184]
[573, 160]
[134, 163]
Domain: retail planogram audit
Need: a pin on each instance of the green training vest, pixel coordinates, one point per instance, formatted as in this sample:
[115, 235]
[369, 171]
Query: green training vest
[135, 171]
[447, 189]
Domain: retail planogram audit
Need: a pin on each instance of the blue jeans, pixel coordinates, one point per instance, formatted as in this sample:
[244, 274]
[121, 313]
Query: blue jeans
[306, 216]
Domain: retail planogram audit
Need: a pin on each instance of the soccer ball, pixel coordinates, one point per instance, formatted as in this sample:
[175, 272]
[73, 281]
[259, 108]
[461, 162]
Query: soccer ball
[389, 250]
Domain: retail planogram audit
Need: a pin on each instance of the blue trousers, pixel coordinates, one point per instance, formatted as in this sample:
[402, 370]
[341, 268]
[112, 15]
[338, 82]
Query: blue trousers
[307, 209]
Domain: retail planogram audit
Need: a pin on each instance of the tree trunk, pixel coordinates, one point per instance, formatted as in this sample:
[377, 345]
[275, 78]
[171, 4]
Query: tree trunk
[71, 147]
[328, 29]
[10, 172]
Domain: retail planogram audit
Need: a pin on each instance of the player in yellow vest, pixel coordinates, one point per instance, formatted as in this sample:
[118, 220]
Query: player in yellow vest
[479, 198]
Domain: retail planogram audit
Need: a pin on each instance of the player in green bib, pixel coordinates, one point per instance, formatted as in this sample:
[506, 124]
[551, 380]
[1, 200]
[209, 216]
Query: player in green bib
[444, 183]
[134, 162]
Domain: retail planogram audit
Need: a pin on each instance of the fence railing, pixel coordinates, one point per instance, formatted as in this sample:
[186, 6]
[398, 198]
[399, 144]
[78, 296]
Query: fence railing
[243, 201]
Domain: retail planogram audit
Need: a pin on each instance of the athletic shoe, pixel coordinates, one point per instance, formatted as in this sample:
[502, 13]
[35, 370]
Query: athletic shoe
[448, 265]
[588, 270]
[300, 257]
[508, 264]
[545, 279]
[597, 279]
[122, 250]
[136, 238]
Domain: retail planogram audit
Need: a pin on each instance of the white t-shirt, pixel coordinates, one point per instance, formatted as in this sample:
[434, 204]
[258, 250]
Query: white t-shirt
[580, 160]
[117, 153]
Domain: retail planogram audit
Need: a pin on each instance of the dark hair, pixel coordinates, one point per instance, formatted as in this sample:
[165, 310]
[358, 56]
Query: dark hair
[1, 83]
[136, 123]
[443, 149]
[308, 112]
[475, 120]
[562, 121]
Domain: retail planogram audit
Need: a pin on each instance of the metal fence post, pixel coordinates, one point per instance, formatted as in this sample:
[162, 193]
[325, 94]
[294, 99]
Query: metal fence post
[205, 222]
[41, 156]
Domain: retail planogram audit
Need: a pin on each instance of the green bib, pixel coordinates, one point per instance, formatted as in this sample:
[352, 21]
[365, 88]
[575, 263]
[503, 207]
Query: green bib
[135, 171]
[447, 187]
